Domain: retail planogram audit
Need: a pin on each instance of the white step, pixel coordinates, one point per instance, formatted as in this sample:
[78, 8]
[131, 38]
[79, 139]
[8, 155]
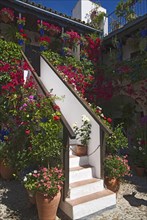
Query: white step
[85, 187]
[75, 161]
[80, 173]
[88, 205]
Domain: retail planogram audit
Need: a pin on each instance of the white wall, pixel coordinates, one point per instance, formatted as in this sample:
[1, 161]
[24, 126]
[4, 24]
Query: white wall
[72, 110]
[76, 12]
[83, 7]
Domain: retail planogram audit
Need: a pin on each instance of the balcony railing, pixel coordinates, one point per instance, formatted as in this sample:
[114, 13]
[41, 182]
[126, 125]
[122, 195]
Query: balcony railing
[136, 10]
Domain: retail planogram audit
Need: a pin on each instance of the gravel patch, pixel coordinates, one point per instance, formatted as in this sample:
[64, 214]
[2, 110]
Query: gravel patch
[131, 202]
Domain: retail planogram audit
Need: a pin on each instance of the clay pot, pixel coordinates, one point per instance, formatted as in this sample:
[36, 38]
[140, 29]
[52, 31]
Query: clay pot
[139, 171]
[6, 171]
[81, 150]
[112, 184]
[31, 197]
[47, 206]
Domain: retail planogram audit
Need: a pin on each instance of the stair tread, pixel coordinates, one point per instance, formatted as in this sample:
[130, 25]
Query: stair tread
[75, 156]
[84, 182]
[90, 197]
[80, 167]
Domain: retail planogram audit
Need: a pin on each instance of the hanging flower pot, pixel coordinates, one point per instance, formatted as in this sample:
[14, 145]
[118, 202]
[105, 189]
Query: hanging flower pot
[20, 27]
[47, 206]
[20, 42]
[41, 31]
[7, 15]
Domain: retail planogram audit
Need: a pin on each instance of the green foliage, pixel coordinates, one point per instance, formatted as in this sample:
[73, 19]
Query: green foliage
[95, 17]
[48, 181]
[116, 166]
[117, 140]
[9, 33]
[125, 9]
[83, 132]
[85, 65]
[53, 57]
[9, 52]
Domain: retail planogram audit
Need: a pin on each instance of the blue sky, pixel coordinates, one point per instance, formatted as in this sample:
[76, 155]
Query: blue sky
[66, 6]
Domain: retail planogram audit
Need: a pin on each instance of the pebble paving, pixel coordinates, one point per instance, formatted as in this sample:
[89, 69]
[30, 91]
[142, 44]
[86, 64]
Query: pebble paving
[131, 202]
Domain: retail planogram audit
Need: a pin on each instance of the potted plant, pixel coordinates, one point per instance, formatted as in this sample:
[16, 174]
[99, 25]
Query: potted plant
[21, 37]
[117, 140]
[138, 151]
[115, 168]
[7, 15]
[138, 154]
[21, 22]
[83, 135]
[44, 42]
[47, 184]
[6, 158]
[29, 182]
[71, 38]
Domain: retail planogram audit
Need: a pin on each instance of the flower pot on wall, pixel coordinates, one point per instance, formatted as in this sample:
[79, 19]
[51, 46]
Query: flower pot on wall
[20, 42]
[47, 206]
[5, 18]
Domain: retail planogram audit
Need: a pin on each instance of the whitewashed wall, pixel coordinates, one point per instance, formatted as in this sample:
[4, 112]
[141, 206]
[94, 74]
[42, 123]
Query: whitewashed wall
[72, 110]
[83, 7]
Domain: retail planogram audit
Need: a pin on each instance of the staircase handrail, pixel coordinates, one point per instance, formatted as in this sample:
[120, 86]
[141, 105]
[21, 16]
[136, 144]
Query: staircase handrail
[82, 101]
[45, 92]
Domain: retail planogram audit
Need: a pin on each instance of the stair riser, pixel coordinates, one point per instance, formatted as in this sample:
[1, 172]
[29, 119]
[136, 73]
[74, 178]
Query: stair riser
[78, 161]
[86, 189]
[89, 208]
[79, 175]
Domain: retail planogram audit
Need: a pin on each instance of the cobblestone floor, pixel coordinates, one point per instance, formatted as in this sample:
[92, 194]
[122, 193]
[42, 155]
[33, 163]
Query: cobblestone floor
[131, 202]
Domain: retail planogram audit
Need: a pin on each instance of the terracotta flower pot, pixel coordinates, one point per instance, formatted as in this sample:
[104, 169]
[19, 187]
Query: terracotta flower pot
[139, 171]
[81, 150]
[112, 184]
[31, 197]
[47, 206]
[5, 18]
[6, 171]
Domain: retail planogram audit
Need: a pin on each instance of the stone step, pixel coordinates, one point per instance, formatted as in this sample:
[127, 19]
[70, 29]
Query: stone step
[75, 161]
[85, 187]
[80, 173]
[88, 205]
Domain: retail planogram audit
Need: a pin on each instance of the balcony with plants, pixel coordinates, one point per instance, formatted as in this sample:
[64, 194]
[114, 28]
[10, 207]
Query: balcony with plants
[126, 12]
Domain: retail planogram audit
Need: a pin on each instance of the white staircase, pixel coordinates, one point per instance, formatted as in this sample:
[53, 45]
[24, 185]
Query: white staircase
[87, 195]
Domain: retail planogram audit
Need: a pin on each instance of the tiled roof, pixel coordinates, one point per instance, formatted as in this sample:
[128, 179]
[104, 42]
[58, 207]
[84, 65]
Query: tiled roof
[44, 10]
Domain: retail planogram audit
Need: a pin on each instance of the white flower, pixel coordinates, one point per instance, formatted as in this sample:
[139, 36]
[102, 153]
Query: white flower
[99, 108]
[35, 171]
[75, 125]
[85, 118]
[30, 174]
[25, 179]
